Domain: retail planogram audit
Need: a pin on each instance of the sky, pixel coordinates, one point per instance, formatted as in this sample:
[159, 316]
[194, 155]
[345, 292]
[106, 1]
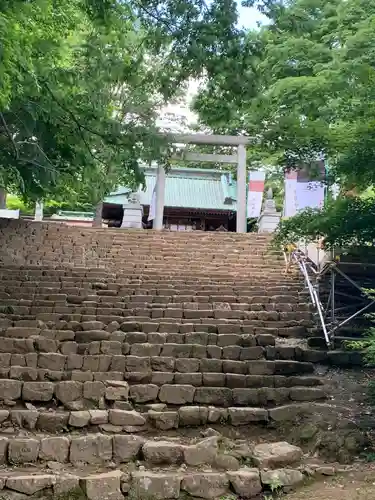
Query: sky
[248, 18]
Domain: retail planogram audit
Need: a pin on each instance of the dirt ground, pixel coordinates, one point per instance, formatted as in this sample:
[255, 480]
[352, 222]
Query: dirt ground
[358, 485]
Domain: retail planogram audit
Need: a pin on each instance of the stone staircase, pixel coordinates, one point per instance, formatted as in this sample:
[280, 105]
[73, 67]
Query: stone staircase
[136, 363]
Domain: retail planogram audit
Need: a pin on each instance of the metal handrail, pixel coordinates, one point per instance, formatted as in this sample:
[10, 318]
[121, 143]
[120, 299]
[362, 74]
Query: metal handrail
[304, 266]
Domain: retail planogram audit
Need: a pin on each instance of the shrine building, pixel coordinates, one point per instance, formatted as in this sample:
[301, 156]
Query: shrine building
[195, 199]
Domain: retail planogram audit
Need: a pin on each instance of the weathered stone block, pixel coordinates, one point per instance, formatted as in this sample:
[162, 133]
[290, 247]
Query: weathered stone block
[69, 347]
[145, 349]
[244, 416]
[43, 344]
[124, 417]
[283, 477]
[23, 450]
[126, 448]
[211, 365]
[30, 484]
[137, 364]
[92, 325]
[3, 449]
[163, 452]
[65, 483]
[10, 389]
[187, 365]
[117, 391]
[228, 339]
[177, 394]
[246, 397]
[246, 483]
[251, 353]
[155, 485]
[118, 363]
[24, 418]
[261, 367]
[205, 484]
[93, 390]
[143, 393]
[98, 417]
[104, 486]
[214, 379]
[38, 391]
[195, 379]
[91, 336]
[79, 418]
[218, 396]
[91, 449]
[235, 380]
[273, 455]
[203, 452]
[163, 420]
[163, 364]
[68, 391]
[233, 366]
[51, 361]
[161, 378]
[54, 448]
[74, 362]
[18, 360]
[53, 421]
[193, 415]
[176, 350]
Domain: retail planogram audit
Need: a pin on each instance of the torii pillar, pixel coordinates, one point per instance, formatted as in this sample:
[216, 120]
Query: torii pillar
[239, 159]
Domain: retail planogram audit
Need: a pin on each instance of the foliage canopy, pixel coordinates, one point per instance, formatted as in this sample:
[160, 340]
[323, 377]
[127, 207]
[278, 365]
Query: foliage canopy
[305, 87]
[82, 81]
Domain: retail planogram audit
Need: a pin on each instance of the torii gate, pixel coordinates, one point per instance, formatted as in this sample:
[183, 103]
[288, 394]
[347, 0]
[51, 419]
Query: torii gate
[220, 140]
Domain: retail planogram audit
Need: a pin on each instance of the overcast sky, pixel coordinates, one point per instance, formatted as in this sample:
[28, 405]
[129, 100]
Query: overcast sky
[249, 16]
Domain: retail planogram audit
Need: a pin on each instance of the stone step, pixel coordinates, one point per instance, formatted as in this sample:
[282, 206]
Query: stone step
[101, 449]
[59, 348]
[145, 418]
[75, 394]
[223, 310]
[151, 484]
[263, 323]
[209, 372]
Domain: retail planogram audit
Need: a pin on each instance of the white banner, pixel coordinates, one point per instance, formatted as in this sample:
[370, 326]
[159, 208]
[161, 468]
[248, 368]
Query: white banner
[290, 196]
[152, 212]
[301, 195]
[309, 195]
[255, 193]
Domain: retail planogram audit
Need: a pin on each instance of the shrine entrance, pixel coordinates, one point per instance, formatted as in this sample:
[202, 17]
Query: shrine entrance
[238, 158]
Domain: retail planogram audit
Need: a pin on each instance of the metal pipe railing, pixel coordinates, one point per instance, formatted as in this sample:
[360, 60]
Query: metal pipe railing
[301, 261]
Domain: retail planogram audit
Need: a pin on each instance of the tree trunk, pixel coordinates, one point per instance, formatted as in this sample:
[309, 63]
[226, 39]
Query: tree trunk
[3, 198]
[97, 222]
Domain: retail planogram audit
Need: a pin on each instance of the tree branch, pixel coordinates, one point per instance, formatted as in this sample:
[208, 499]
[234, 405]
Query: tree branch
[9, 134]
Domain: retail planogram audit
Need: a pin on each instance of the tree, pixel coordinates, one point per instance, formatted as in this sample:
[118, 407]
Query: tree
[82, 81]
[307, 89]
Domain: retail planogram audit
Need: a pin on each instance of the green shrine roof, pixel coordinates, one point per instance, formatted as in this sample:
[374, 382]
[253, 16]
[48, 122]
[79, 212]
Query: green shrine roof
[187, 188]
